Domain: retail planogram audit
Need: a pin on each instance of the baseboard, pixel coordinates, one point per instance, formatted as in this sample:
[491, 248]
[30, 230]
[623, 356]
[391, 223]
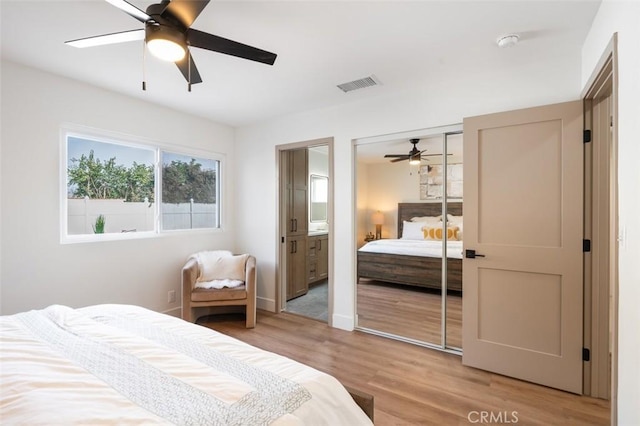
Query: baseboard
[266, 304]
[343, 322]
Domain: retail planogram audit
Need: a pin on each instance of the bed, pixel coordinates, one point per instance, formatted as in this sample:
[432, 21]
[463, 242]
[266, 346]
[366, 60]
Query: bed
[403, 264]
[119, 364]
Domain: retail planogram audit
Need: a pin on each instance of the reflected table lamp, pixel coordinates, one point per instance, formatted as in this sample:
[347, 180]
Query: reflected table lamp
[378, 219]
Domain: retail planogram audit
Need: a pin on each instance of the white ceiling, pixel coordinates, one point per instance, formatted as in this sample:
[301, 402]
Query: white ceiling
[319, 45]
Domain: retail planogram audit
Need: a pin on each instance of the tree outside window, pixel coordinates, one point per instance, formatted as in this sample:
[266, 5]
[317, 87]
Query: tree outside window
[189, 192]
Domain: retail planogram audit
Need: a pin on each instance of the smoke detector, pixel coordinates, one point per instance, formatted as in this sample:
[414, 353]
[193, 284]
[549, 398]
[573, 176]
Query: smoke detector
[508, 40]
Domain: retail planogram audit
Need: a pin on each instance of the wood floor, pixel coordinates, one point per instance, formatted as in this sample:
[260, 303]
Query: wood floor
[412, 385]
[409, 311]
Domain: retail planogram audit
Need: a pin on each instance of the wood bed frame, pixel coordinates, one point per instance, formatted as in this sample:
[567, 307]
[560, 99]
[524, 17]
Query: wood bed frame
[413, 270]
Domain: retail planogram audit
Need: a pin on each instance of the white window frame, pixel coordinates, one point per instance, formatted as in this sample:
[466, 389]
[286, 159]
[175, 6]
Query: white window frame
[105, 136]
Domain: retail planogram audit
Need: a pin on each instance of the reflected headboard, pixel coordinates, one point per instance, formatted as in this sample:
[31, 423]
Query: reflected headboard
[408, 210]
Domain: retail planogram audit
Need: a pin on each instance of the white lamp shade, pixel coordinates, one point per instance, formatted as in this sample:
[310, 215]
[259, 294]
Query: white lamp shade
[166, 50]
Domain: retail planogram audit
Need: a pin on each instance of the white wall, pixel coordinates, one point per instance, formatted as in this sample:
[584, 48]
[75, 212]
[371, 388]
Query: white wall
[36, 270]
[441, 103]
[623, 17]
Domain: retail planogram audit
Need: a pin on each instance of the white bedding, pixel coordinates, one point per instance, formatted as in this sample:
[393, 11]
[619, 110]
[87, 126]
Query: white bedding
[117, 364]
[424, 248]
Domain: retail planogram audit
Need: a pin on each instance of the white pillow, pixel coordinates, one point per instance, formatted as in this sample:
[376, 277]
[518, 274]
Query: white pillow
[427, 219]
[222, 268]
[412, 230]
[454, 220]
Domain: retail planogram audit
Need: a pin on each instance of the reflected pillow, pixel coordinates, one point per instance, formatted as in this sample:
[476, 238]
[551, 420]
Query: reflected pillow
[427, 219]
[435, 233]
[455, 221]
[412, 230]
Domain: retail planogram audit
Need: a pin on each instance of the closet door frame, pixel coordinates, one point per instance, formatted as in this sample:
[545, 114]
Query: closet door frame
[434, 131]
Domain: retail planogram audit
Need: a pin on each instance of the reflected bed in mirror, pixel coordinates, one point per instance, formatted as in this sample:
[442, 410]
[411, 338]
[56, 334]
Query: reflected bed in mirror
[421, 268]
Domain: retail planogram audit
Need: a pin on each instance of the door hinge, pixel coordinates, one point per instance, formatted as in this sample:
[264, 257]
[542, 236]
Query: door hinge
[282, 239]
[586, 246]
[586, 354]
[586, 136]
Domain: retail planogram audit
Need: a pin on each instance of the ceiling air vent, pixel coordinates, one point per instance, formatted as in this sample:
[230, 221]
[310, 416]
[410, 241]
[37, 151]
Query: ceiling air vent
[359, 84]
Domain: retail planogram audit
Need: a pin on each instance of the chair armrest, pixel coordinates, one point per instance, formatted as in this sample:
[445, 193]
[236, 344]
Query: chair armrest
[189, 276]
[250, 276]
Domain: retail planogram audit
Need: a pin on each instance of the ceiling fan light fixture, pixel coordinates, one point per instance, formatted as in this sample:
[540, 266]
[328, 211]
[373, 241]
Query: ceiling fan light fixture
[166, 50]
[166, 43]
[415, 160]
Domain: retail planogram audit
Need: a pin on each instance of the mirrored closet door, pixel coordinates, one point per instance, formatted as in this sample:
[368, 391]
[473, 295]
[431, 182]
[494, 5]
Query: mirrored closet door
[409, 236]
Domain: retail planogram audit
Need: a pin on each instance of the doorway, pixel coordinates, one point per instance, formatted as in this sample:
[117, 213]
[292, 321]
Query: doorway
[305, 215]
[409, 236]
[601, 229]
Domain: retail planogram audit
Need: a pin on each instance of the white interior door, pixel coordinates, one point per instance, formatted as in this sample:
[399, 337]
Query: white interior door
[522, 301]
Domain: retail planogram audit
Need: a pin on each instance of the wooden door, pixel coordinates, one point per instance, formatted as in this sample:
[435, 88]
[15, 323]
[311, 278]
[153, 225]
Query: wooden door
[522, 301]
[296, 222]
[297, 284]
[298, 190]
[322, 256]
[312, 260]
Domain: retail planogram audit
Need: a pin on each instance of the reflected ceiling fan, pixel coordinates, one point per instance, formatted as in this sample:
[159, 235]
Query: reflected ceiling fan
[168, 35]
[414, 156]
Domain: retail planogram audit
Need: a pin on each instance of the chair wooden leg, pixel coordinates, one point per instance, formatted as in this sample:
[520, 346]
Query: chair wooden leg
[187, 313]
[251, 317]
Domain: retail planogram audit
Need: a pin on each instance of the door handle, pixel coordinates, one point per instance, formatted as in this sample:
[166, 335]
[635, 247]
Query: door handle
[471, 254]
[295, 226]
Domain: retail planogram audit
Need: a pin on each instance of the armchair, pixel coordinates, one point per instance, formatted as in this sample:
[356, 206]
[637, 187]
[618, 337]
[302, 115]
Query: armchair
[195, 297]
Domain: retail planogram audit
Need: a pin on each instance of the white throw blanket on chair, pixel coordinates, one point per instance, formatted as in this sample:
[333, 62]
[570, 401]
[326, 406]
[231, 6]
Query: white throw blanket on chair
[219, 269]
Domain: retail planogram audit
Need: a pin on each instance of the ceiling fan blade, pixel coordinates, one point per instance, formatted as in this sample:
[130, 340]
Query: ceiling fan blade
[229, 47]
[130, 10]
[113, 38]
[400, 159]
[395, 155]
[433, 155]
[186, 11]
[183, 66]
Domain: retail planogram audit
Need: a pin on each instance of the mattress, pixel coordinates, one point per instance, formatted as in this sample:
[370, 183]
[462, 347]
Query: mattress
[424, 248]
[119, 364]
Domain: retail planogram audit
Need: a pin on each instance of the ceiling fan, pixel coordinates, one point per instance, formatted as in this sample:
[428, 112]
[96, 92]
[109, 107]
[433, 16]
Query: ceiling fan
[414, 156]
[168, 35]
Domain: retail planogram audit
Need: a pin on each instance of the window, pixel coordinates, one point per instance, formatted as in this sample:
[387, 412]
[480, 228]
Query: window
[189, 192]
[113, 189]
